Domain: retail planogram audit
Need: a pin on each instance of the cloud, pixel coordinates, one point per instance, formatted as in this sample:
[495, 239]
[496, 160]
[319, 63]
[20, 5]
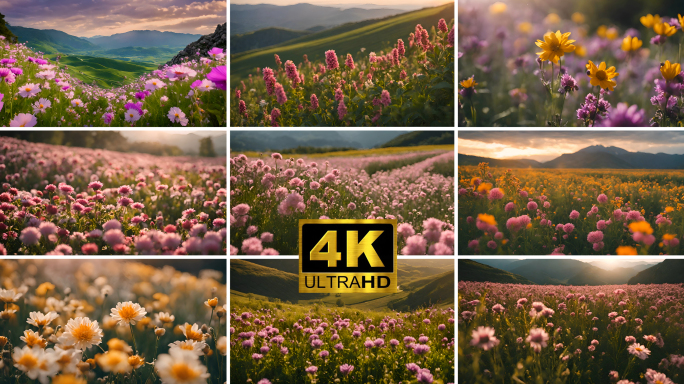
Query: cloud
[106, 17]
[546, 145]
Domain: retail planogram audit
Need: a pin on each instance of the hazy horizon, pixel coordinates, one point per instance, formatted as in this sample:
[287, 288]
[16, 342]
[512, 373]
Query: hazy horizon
[347, 4]
[109, 17]
[548, 145]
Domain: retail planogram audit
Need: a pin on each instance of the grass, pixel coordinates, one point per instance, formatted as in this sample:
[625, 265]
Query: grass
[444, 168]
[107, 72]
[349, 38]
[362, 152]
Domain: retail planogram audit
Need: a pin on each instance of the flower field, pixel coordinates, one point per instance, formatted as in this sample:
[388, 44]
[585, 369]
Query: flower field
[37, 92]
[268, 195]
[110, 322]
[537, 68]
[410, 84]
[622, 334]
[578, 212]
[279, 343]
[60, 200]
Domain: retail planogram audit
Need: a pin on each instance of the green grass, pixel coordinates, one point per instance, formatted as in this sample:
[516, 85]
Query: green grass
[107, 72]
[153, 55]
[444, 168]
[437, 290]
[373, 35]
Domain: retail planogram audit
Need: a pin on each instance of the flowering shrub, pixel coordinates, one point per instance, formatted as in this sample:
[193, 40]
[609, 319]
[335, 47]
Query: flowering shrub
[291, 343]
[36, 92]
[269, 196]
[110, 321]
[543, 70]
[61, 201]
[579, 212]
[412, 84]
[604, 334]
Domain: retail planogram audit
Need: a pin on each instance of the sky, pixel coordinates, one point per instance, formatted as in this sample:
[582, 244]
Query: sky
[547, 145]
[86, 18]
[349, 4]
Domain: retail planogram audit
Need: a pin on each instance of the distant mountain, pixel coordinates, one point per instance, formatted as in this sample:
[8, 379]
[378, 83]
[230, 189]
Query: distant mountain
[416, 138]
[636, 265]
[252, 17]
[563, 271]
[278, 140]
[670, 271]
[592, 157]
[592, 275]
[144, 39]
[51, 40]
[263, 38]
[471, 270]
[188, 143]
[503, 163]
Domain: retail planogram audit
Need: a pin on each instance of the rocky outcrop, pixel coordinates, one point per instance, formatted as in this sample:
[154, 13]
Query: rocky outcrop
[204, 44]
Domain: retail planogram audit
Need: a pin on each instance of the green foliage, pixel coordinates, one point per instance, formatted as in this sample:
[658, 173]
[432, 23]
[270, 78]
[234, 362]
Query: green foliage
[339, 303]
[470, 270]
[106, 72]
[207, 147]
[263, 38]
[444, 168]
[416, 138]
[378, 166]
[4, 30]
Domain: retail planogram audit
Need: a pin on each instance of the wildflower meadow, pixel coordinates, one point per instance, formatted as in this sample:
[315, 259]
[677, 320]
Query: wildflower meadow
[110, 322]
[59, 200]
[569, 211]
[621, 334]
[409, 84]
[536, 67]
[269, 194]
[37, 92]
[283, 343]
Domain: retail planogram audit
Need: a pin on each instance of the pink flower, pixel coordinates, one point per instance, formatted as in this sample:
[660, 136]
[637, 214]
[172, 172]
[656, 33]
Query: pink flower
[483, 337]
[95, 185]
[532, 206]
[24, 120]
[538, 339]
[400, 47]
[277, 60]
[385, 98]
[314, 101]
[497, 194]
[568, 228]
[594, 237]
[266, 237]
[442, 26]
[509, 207]
[252, 246]
[331, 59]
[405, 230]
[113, 237]
[351, 206]
[275, 114]
[341, 110]
[294, 202]
[280, 94]
[291, 70]
[602, 198]
[349, 62]
[30, 236]
[242, 107]
[574, 215]
[415, 245]
[269, 79]
[339, 96]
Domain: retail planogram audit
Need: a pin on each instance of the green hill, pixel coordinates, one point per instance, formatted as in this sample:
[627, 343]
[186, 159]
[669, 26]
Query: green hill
[263, 38]
[248, 277]
[470, 270]
[415, 138]
[50, 40]
[373, 35]
[503, 163]
[4, 30]
[155, 55]
[592, 275]
[437, 290]
[670, 271]
[107, 72]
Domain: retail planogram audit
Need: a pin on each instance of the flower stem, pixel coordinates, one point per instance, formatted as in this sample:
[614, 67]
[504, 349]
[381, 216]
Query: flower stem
[135, 347]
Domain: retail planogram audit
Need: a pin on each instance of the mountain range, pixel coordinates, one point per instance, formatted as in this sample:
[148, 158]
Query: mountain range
[251, 17]
[571, 272]
[593, 157]
[189, 143]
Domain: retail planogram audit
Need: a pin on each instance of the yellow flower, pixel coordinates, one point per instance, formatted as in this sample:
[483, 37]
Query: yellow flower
[664, 29]
[669, 70]
[489, 219]
[33, 339]
[601, 31]
[580, 50]
[554, 46]
[641, 226]
[625, 250]
[136, 361]
[44, 288]
[668, 236]
[128, 313]
[601, 76]
[497, 8]
[552, 18]
[114, 361]
[612, 33]
[681, 19]
[649, 20]
[525, 27]
[470, 83]
[484, 187]
[631, 44]
[577, 18]
[669, 209]
[212, 302]
[68, 379]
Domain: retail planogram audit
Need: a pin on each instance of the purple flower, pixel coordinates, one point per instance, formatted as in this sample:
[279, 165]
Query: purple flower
[413, 367]
[659, 40]
[137, 106]
[312, 369]
[424, 376]
[316, 343]
[568, 83]
[625, 116]
[257, 356]
[421, 349]
[346, 369]
[324, 354]
[218, 76]
[249, 343]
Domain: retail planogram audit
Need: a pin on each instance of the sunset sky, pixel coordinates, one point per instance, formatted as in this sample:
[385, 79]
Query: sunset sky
[349, 4]
[86, 18]
[546, 145]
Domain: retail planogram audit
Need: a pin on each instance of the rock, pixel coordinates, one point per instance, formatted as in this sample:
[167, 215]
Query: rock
[203, 45]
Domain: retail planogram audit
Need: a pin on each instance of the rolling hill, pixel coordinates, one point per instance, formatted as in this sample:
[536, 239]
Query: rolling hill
[471, 270]
[373, 35]
[144, 39]
[670, 271]
[437, 289]
[263, 38]
[247, 17]
[248, 277]
[592, 157]
[416, 138]
[50, 40]
[277, 140]
[154, 55]
[105, 71]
